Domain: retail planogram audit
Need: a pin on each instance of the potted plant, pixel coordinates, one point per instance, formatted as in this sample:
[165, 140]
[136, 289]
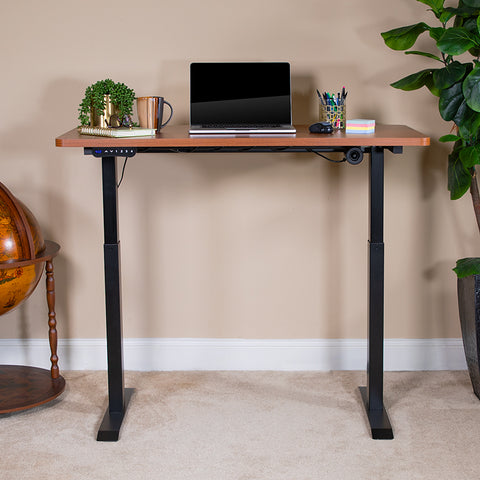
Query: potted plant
[456, 83]
[106, 99]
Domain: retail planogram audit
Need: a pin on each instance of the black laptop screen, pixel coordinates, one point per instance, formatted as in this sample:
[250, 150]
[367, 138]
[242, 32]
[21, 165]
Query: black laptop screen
[240, 93]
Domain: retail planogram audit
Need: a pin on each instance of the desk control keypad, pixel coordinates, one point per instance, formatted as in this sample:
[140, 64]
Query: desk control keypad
[111, 151]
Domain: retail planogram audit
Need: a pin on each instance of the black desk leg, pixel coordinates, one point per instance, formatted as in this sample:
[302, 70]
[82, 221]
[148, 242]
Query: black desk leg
[373, 394]
[118, 396]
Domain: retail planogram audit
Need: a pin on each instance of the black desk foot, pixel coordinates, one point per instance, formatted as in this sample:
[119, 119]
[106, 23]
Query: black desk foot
[378, 419]
[110, 428]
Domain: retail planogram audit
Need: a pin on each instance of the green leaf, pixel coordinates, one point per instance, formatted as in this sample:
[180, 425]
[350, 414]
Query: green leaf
[462, 120]
[423, 54]
[467, 266]
[471, 89]
[469, 156]
[452, 73]
[471, 25]
[472, 3]
[449, 138]
[413, 81]
[459, 177]
[430, 84]
[461, 13]
[436, 33]
[468, 122]
[455, 41]
[435, 4]
[404, 37]
[450, 100]
[446, 15]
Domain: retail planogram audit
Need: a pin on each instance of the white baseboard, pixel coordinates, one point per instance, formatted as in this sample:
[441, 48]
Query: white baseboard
[168, 354]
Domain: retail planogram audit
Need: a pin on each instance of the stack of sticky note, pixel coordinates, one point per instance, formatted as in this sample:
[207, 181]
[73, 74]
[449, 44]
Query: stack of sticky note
[360, 125]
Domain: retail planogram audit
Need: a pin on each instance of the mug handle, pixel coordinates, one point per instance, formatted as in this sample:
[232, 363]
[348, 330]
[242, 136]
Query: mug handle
[171, 113]
[159, 113]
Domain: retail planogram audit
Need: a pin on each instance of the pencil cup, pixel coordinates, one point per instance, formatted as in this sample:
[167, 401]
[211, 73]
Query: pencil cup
[334, 114]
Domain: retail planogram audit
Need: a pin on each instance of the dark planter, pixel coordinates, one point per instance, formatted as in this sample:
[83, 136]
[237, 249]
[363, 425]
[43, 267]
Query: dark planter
[469, 309]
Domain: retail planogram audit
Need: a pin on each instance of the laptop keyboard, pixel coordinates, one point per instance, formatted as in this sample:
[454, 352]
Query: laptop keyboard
[246, 127]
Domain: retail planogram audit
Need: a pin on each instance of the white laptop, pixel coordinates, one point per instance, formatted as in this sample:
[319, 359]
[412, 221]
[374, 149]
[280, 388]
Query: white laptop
[240, 98]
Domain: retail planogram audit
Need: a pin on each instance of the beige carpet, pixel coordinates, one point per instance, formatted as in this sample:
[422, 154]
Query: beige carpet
[249, 425]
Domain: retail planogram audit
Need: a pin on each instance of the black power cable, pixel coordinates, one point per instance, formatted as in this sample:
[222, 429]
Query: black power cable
[123, 172]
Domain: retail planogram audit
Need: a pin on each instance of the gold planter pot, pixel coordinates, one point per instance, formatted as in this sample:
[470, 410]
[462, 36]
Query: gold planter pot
[108, 117]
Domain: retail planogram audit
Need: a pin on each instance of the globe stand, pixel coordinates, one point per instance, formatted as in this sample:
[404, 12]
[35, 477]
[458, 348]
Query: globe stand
[23, 387]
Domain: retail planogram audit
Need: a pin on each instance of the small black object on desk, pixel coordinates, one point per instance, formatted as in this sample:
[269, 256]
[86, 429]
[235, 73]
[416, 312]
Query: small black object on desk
[321, 127]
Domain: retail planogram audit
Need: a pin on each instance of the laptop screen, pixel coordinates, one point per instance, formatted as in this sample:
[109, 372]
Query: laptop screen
[256, 93]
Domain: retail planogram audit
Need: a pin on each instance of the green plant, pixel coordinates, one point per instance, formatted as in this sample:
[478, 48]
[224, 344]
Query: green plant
[121, 96]
[457, 86]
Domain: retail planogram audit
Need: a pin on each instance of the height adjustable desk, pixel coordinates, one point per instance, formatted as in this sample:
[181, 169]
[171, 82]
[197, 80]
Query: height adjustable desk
[176, 139]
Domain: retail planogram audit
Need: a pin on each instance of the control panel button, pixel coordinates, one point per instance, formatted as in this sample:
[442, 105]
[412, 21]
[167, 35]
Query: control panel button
[113, 152]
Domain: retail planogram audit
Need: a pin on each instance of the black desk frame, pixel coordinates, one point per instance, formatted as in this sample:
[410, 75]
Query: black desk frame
[372, 394]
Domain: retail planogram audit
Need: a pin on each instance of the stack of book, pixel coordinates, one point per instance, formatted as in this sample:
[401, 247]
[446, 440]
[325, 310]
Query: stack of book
[360, 126]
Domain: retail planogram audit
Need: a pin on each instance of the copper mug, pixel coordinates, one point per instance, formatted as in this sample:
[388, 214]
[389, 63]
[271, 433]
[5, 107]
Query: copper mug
[150, 112]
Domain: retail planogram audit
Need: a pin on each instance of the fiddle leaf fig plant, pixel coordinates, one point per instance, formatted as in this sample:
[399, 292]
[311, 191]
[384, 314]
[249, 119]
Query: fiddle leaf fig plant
[456, 83]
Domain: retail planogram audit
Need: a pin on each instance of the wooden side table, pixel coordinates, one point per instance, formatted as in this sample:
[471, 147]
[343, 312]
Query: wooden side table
[23, 387]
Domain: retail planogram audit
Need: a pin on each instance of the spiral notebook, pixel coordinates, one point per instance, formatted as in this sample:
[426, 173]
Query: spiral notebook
[117, 132]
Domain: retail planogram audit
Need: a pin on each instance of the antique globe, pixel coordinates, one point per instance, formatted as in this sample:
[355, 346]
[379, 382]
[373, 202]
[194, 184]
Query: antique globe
[21, 242]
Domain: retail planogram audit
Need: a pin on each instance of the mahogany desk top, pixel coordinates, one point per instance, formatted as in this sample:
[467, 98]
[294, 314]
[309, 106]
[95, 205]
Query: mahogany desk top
[178, 136]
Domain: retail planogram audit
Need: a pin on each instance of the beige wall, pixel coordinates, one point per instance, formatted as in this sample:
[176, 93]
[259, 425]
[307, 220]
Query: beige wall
[272, 246]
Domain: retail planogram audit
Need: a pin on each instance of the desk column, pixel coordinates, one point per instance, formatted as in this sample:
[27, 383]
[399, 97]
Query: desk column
[118, 396]
[373, 394]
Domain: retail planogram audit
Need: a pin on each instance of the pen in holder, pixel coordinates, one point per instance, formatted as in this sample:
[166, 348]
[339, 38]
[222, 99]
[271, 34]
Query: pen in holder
[333, 108]
[334, 114]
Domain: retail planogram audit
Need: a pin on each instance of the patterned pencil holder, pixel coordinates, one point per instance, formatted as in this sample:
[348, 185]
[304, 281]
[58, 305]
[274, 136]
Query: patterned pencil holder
[335, 114]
